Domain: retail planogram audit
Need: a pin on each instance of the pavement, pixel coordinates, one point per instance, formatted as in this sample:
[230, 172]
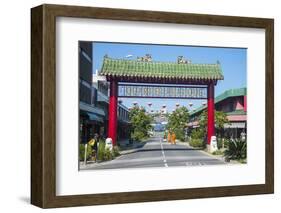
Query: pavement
[157, 153]
[125, 147]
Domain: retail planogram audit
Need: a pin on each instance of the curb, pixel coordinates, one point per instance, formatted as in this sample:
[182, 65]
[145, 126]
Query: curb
[204, 152]
[125, 152]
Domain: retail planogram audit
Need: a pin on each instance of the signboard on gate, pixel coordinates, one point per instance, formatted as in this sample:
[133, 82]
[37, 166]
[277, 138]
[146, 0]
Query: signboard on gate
[152, 91]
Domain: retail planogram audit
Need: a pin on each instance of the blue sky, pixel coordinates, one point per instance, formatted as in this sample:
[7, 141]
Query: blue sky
[233, 62]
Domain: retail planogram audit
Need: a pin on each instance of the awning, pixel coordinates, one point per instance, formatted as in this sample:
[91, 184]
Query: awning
[241, 125]
[94, 117]
[91, 109]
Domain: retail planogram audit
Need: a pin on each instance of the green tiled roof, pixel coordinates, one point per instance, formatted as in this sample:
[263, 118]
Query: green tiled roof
[133, 68]
[231, 93]
[223, 96]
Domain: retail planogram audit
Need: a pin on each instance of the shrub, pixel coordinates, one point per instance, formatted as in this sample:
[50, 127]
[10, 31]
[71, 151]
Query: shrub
[179, 134]
[104, 153]
[220, 140]
[107, 154]
[197, 143]
[101, 151]
[197, 138]
[137, 135]
[82, 152]
[219, 143]
[237, 150]
[115, 151]
[226, 143]
[197, 134]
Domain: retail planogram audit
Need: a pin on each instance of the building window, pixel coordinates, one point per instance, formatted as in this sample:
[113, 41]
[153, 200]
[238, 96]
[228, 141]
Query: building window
[85, 94]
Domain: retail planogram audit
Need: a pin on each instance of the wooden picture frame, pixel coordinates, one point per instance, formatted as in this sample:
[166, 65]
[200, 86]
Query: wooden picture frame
[43, 105]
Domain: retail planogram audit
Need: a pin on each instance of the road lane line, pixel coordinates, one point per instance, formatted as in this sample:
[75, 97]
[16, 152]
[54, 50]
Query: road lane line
[163, 153]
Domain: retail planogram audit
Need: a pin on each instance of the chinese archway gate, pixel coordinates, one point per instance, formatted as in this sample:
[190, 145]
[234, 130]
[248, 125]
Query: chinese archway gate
[134, 78]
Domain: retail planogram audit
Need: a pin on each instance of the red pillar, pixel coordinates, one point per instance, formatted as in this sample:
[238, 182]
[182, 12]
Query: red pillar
[211, 112]
[113, 104]
[245, 103]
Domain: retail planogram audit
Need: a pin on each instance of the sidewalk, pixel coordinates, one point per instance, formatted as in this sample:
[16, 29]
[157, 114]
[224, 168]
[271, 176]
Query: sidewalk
[219, 157]
[126, 148]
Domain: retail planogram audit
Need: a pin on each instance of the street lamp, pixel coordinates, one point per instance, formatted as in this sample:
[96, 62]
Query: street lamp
[149, 105]
[164, 111]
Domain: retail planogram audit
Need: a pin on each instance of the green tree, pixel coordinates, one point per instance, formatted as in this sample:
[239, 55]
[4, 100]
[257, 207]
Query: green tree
[140, 123]
[177, 122]
[220, 120]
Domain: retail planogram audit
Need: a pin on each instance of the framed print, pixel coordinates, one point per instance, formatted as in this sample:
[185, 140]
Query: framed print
[136, 106]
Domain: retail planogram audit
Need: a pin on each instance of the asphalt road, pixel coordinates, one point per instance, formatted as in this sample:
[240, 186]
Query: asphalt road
[156, 153]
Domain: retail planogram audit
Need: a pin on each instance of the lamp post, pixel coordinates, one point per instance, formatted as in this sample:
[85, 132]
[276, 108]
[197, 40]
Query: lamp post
[190, 105]
[163, 109]
[149, 105]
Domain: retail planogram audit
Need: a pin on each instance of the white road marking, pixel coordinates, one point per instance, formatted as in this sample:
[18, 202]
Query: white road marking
[163, 153]
[195, 164]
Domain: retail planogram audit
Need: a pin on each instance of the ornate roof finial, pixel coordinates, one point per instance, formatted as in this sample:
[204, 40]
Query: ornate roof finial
[146, 58]
[183, 60]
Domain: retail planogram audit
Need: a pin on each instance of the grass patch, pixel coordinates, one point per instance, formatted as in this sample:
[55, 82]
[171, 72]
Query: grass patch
[217, 152]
